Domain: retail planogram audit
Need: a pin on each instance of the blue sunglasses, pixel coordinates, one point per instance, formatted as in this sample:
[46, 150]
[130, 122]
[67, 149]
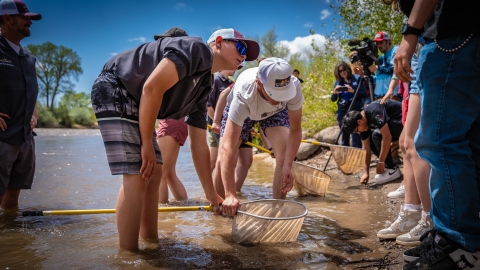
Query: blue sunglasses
[241, 47]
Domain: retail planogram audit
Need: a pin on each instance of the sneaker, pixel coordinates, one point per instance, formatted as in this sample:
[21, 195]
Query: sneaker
[443, 253]
[406, 221]
[413, 254]
[412, 238]
[388, 175]
[398, 193]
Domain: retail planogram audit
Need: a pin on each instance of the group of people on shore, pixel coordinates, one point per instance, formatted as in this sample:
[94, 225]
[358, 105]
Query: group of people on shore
[420, 107]
[170, 79]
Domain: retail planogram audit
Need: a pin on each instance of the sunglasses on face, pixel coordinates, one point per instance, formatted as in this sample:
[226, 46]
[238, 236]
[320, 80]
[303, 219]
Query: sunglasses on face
[241, 47]
[341, 70]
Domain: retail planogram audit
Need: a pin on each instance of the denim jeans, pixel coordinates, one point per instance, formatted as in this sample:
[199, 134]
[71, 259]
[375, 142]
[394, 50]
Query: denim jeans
[449, 135]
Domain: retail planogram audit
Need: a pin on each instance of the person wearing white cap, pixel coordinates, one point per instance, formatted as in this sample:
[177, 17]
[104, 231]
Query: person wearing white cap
[270, 95]
[169, 78]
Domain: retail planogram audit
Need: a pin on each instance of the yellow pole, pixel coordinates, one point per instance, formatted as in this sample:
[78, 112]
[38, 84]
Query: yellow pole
[111, 211]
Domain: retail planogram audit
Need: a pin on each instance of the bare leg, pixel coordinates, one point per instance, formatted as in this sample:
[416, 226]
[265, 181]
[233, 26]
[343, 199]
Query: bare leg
[421, 168]
[176, 187]
[9, 200]
[411, 193]
[245, 159]
[149, 222]
[213, 157]
[136, 213]
[170, 148]
[278, 138]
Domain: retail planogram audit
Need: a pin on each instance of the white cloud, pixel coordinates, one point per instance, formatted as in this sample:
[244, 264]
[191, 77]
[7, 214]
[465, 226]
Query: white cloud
[113, 53]
[303, 45]
[140, 39]
[324, 14]
[180, 6]
[308, 25]
[327, 1]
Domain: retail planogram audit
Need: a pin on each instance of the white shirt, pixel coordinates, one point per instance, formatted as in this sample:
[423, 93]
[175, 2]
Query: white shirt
[245, 100]
[14, 47]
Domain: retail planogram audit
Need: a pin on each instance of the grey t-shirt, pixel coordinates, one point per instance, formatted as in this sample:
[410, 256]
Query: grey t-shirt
[193, 60]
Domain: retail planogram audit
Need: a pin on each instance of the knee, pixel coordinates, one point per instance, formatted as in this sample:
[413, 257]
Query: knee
[403, 146]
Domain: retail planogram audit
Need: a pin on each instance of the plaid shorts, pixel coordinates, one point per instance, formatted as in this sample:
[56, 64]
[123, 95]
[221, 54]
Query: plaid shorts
[117, 115]
[279, 119]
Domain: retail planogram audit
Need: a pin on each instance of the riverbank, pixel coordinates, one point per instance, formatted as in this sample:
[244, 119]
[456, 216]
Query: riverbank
[386, 253]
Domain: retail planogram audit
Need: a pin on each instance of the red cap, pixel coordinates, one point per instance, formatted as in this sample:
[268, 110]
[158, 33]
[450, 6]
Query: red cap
[381, 36]
[17, 7]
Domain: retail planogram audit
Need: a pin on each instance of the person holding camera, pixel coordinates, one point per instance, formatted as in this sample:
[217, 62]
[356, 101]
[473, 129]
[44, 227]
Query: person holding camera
[384, 74]
[343, 91]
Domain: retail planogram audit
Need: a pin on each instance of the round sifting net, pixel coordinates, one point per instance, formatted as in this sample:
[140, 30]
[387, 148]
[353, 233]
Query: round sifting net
[268, 221]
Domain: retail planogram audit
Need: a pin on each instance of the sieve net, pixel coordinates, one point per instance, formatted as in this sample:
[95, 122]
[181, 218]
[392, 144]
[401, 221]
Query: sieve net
[349, 160]
[309, 180]
[268, 221]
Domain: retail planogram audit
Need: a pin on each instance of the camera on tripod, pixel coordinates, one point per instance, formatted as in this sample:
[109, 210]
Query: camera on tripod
[367, 52]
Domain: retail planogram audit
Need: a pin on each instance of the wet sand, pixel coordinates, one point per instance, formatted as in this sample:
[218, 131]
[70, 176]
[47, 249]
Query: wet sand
[381, 254]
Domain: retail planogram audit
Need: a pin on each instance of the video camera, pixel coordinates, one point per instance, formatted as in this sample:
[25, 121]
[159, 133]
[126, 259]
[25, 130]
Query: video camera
[367, 51]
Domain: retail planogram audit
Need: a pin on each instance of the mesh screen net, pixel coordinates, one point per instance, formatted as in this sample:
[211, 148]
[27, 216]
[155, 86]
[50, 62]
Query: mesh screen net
[309, 180]
[267, 221]
[349, 160]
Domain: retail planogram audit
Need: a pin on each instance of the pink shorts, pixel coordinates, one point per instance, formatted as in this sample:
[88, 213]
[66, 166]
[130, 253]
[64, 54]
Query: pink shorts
[176, 128]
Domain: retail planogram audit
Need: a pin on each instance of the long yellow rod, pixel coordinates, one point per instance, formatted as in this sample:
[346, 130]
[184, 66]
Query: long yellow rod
[110, 211]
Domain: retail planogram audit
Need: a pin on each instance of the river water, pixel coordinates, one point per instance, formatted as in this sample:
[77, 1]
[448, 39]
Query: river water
[72, 173]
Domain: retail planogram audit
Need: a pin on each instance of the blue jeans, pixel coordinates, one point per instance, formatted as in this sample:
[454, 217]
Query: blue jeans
[356, 140]
[449, 135]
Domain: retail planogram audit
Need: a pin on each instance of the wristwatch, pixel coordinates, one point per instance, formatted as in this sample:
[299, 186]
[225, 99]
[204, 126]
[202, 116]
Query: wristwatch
[407, 29]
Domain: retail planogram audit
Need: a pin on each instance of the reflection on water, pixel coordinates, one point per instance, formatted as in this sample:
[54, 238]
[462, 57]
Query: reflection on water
[72, 173]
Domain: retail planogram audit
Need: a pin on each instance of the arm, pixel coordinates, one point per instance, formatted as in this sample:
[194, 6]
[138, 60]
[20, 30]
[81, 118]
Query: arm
[221, 103]
[266, 141]
[163, 77]
[336, 91]
[386, 141]
[210, 112]
[421, 11]
[368, 159]
[3, 124]
[199, 148]
[33, 121]
[228, 152]
[293, 142]
[391, 89]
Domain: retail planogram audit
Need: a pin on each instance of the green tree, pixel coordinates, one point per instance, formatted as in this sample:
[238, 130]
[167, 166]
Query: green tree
[57, 66]
[271, 47]
[71, 99]
[365, 18]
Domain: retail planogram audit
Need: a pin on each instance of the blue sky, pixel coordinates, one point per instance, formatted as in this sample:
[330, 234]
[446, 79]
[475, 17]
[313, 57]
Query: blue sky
[98, 29]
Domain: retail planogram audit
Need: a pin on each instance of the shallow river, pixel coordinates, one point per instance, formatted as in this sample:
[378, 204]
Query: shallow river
[72, 173]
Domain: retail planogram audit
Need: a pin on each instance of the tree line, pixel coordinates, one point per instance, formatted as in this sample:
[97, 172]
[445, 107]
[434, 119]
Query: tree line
[58, 67]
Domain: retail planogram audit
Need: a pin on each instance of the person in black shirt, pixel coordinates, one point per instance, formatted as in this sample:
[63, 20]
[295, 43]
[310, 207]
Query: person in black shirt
[379, 125]
[169, 78]
[296, 73]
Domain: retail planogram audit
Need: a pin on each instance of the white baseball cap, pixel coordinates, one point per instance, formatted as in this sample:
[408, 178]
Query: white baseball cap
[253, 49]
[276, 76]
